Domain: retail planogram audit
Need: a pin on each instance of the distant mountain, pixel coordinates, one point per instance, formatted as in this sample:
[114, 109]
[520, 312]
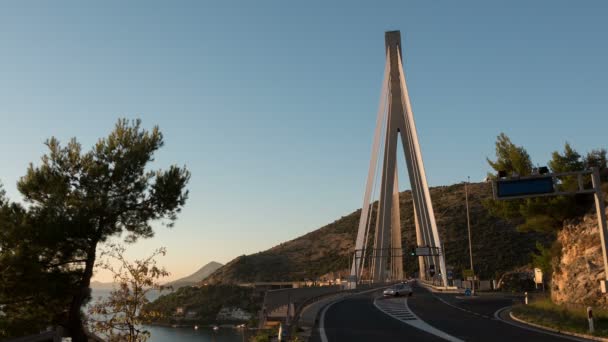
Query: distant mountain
[196, 277]
[190, 280]
[497, 245]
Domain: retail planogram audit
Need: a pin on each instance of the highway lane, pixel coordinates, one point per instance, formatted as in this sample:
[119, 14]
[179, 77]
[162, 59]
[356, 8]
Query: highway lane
[472, 319]
[357, 319]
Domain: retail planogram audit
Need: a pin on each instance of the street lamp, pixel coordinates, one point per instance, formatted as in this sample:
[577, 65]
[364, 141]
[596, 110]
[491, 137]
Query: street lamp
[466, 198]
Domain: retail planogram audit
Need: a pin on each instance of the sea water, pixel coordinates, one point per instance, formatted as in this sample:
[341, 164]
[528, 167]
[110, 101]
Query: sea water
[184, 334]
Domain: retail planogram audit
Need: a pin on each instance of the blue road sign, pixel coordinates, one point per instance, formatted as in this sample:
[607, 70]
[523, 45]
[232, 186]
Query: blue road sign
[526, 186]
[467, 292]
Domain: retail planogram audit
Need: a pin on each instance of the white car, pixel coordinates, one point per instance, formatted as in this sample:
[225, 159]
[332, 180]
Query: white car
[398, 290]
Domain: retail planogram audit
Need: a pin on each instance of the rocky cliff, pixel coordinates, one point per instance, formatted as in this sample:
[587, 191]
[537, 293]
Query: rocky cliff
[578, 270]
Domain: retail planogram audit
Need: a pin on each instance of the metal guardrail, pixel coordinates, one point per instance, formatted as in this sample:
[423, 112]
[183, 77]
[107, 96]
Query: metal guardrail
[299, 305]
[274, 299]
[52, 336]
[49, 336]
[300, 308]
[435, 286]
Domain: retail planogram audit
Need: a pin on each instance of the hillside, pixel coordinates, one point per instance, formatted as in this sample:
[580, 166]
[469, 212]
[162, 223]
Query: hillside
[201, 304]
[197, 276]
[497, 246]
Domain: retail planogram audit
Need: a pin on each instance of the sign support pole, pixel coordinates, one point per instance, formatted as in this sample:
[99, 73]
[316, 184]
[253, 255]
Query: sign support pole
[601, 218]
[539, 186]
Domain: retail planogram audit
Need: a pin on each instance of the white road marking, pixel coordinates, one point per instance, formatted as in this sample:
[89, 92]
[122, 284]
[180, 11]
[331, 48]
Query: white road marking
[395, 308]
[522, 326]
[399, 310]
[498, 318]
[322, 322]
[322, 318]
[459, 308]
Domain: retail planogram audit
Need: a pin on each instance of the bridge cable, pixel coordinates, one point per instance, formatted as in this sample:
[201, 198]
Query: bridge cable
[359, 243]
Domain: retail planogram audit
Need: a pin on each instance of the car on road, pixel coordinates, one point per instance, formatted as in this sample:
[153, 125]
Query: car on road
[398, 290]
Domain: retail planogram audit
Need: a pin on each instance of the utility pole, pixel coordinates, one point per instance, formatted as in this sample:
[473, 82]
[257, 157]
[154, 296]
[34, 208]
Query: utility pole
[466, 199]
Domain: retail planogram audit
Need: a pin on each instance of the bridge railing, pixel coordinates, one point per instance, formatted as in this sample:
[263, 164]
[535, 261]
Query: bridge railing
[55, 335]
[312, 300]
[286, 305]
[275, 299]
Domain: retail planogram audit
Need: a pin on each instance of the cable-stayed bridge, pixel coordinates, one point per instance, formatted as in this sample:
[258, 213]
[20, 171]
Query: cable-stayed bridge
[383, 260]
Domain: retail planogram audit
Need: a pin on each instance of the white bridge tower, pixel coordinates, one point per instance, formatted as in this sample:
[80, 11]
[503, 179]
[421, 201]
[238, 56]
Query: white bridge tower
[395, 120]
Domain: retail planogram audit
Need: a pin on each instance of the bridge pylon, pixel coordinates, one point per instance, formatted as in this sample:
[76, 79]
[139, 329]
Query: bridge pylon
[395, 120]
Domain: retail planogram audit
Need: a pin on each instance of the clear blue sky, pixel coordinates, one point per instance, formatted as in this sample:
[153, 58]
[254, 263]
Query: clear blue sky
[271, 104]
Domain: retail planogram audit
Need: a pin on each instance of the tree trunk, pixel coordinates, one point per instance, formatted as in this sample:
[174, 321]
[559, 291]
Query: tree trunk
[75, 324]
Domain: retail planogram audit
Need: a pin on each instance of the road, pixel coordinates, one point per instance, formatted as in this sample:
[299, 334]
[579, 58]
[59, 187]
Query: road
[425, 316]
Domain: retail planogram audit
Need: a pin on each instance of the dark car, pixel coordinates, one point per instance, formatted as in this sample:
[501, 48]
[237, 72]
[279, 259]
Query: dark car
[398, 290]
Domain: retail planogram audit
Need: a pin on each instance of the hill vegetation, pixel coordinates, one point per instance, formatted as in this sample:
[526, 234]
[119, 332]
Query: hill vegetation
[201, 304]
[505, 234]
[497, 246]
[195, 277]
[75, 200]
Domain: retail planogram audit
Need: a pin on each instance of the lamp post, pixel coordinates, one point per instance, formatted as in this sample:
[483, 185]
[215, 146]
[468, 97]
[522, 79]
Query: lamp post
[466, 198]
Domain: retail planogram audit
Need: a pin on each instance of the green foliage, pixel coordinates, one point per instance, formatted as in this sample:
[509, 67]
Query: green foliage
[510, 158]
[540, 223]
[206, 301]
[488, 233]
[542, 214]
[330, 248]
[120, 316]
[265, 335]
[262, 267]
[544, 258]
[515, 282]
[596, 158]
[568, 161]
[561, 317]
[261, 336]
[77, 200]
[108, 189]
[35, 282]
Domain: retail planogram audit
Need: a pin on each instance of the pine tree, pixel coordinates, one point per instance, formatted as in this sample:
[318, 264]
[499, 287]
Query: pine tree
[542, 214]
[84, 198]
[510, 158]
